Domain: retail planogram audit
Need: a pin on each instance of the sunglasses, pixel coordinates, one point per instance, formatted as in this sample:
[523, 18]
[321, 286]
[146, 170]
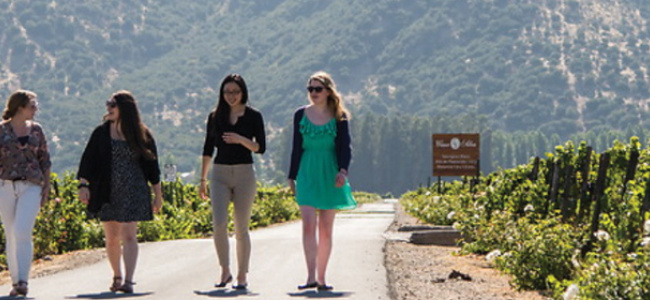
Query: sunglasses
[111, 103]
[316, 89]
[233, 93]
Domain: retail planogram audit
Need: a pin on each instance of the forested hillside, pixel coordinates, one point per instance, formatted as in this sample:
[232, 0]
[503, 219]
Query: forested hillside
[519, 70]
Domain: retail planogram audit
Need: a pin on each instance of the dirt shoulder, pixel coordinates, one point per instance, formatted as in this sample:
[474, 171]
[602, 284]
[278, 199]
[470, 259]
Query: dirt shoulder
[422, 272]
[57, 263]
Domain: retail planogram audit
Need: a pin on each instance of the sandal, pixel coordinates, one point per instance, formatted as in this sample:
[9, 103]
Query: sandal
[117, 283]
[310, 285]
[19, 289]
[325, 287]
[127, 287]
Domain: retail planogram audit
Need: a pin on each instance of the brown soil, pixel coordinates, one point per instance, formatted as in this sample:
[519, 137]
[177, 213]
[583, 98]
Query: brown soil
[54, 264]
[422, 272]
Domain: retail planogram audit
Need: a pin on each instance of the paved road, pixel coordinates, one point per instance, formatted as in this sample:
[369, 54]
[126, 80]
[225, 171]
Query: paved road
[187, 269]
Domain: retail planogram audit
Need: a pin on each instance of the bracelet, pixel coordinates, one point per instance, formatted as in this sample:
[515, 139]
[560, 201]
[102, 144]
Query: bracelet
[83, 185]
[203, 179]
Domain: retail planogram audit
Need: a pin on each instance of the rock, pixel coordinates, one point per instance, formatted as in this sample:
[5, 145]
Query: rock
[440, 237]
[458, 275]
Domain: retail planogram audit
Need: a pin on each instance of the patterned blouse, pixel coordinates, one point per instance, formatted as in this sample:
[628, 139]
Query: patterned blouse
[23, 162]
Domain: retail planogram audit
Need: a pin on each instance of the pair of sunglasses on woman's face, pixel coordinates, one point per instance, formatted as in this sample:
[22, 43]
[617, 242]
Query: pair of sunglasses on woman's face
[111, 103]
[316, 89]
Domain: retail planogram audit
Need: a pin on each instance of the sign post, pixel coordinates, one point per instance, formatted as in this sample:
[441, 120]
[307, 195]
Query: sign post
[169, 172]
[456, 155]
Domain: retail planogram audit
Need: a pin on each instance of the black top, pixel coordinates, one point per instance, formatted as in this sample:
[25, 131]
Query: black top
[341, 143]
[96, 162]
[249, 125]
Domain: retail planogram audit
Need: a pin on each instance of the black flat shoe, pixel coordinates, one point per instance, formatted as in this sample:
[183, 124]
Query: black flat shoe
[224, 283]
[325, 287]
[240, 286]
[310, 285]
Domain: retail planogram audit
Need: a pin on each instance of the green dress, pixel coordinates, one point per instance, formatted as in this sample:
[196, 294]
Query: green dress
[315, 181]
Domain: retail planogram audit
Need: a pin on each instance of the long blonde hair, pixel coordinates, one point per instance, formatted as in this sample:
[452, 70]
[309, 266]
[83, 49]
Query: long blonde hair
[18, 99]
[334, 101]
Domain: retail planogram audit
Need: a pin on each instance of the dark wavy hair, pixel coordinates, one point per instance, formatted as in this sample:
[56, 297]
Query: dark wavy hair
[18, 99]
[133, 129]
[222, 111]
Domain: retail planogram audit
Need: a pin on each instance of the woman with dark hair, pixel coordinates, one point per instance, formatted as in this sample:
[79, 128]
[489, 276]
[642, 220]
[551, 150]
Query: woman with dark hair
[117, 166]
[236, 130]
[320, 158]
[24, 182]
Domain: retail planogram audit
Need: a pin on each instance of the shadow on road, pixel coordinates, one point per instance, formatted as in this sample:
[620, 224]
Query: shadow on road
[226, 293]
[108, 295]
[321, 294]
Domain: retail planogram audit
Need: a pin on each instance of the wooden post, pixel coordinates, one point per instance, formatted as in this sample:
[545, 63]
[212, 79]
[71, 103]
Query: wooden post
[534, 173]
[555, 184]
[551, 174]
[646, 203]
[566, 203]
[632, 233]
[597, 197]
[630, 171]
[475, 181]
[584, 186]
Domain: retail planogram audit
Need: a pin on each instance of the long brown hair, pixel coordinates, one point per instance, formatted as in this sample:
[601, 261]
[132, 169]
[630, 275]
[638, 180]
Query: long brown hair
[131, 124]
[334, 101]
[18, 99]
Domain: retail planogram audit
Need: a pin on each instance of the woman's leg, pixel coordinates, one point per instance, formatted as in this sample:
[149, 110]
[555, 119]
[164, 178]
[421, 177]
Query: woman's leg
[7, 213]
[325, 228]
[129, 237]
[112, 233]
[243, 197]
[309, 243]
[29, 203]
[220, 196]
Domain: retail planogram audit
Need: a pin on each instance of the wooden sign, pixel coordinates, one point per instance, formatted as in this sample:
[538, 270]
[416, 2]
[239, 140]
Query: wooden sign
[456, 154]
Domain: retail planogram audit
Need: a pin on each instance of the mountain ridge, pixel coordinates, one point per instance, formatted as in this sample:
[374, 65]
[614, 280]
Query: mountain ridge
[560, 66]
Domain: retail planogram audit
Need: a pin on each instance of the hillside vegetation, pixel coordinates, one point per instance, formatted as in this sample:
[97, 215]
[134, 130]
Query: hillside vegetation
[555, 67]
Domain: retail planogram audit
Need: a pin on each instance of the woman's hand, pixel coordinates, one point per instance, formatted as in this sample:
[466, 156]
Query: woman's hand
[157, 204]
[292, 186]
[203, 189]
[158, 198]
[84, 195]
[232, 138]
[45, 194]
[340, 178]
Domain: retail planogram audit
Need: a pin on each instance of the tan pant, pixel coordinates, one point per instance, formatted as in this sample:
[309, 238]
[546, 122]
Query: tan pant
[234, 183]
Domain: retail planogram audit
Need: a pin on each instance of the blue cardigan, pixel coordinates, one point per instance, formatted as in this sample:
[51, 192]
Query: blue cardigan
[342, 143]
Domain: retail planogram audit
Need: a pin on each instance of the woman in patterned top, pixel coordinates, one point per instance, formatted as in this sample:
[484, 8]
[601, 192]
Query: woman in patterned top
[320, 158]
[117, 166]
[25, 182]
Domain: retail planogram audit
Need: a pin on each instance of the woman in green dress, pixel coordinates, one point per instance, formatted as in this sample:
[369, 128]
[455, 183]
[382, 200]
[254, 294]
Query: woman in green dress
[320, 158]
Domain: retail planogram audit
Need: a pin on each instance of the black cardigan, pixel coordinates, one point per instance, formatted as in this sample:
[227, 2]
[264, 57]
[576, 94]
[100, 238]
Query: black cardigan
[342, 144]
[96, 161]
